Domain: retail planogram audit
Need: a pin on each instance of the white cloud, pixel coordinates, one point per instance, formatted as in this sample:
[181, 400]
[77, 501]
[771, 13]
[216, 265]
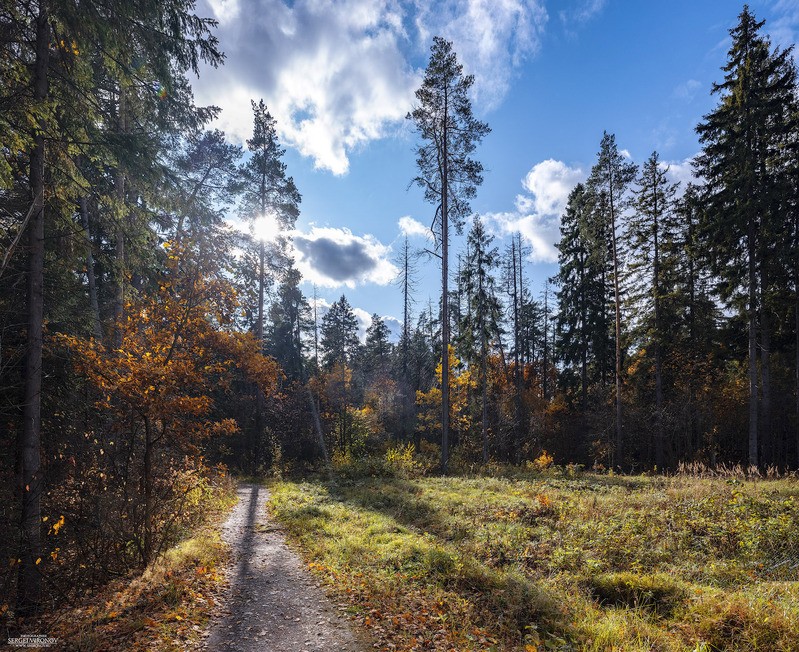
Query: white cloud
[411, 227]
[681, 172]
[581, 13]
[336, 74]
[331, 73]
[364, 321]
[335, 257]
[537, 214]
[225, 11]
[490, 37]
[626, 154]
[550, 183]
[541, 232]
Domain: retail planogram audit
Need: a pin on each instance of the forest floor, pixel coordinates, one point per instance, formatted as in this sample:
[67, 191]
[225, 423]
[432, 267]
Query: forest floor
[558, 560]
[272, 602]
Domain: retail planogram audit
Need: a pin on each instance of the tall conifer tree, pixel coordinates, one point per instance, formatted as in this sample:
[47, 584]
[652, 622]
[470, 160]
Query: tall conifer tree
[448, 175]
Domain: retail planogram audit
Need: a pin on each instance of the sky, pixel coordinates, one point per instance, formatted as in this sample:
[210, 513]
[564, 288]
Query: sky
[550, 76]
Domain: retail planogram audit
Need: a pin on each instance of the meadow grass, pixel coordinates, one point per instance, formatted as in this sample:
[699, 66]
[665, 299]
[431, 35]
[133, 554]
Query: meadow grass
[556, 560]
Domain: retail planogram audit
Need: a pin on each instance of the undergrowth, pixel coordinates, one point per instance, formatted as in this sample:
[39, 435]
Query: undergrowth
[164, 608]
[557, 559]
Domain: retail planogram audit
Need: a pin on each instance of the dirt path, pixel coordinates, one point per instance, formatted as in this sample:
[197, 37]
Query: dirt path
[273, 603]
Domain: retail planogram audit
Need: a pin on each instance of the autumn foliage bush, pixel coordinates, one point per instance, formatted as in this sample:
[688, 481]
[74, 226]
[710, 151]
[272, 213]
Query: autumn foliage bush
[128, 476]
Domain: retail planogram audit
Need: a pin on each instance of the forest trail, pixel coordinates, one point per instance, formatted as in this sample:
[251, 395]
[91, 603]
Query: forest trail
[272, 602]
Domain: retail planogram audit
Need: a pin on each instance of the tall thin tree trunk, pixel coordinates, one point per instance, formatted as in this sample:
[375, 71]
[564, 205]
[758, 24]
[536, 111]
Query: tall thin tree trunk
[545, 367]
[260, 402]
[484, 383]
[659, 434]
[618, 452]
[405, 340]
[119, 295]
[91, 279]
[517, 444]
[445, 294]
[693, 429]
[768, 442]
[29, 580]
[796, 368]
[148, 493]
[752, 323]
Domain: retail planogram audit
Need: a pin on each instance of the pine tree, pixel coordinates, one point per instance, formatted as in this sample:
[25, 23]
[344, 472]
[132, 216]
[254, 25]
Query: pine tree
[447, 173]
[269, 195]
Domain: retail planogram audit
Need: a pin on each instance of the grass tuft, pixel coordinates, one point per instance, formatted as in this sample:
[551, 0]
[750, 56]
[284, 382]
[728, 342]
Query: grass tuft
[556, 559]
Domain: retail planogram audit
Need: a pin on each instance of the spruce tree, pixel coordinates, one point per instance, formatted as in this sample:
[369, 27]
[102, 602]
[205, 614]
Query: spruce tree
[650, 225]
[740, 160]
[478, 329]
[610, 179]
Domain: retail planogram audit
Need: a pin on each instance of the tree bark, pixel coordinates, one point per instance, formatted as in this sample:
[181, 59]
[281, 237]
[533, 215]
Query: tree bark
[94, 305]
[148, 493]
[119, 295]
[766, 436]
[618, 452]
[29, 579]
[752, 323]
[445, 292]
[517, 444]
[659, 434]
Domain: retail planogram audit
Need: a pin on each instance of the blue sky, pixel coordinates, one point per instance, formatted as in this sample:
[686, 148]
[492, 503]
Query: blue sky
[550, 76]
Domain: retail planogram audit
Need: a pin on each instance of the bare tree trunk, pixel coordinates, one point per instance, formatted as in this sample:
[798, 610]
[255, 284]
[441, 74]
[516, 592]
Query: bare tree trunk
[148, 493]
[659, 434]
[752, 319]
[517, 444]
[545, 367]
[768, 443]
[445, 295]
[91, 279]
[618, 452]
[796, 370]
[29, 580]
[119, 296]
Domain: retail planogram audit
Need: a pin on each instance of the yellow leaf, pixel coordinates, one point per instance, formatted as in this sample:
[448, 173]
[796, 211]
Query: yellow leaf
[38, 561]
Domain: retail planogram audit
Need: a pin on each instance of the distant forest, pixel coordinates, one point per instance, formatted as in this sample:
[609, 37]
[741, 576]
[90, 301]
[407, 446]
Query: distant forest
[145, 345]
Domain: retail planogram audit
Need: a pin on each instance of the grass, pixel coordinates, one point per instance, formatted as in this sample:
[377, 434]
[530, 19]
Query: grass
[556, 560]
[164, 608]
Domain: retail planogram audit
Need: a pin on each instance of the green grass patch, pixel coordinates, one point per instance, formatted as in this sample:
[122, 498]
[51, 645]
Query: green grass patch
[556, 561]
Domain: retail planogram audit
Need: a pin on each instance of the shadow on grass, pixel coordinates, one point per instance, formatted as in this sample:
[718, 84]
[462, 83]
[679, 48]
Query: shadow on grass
[506, 596]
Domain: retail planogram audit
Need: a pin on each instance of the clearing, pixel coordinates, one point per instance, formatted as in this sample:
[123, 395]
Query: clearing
[558, 560]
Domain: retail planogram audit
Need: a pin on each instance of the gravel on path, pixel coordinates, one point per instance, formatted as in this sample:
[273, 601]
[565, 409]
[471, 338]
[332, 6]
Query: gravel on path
[272, 603]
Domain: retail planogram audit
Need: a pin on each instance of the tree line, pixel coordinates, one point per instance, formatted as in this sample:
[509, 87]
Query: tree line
[146, 345]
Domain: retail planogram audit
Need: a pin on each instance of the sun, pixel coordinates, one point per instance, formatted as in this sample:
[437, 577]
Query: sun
[266, 228]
